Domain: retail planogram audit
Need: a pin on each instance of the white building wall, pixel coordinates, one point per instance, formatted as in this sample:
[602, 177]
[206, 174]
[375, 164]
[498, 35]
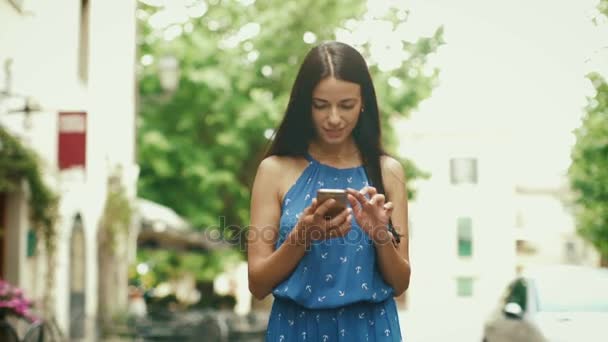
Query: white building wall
[44, 47]
[434, 215]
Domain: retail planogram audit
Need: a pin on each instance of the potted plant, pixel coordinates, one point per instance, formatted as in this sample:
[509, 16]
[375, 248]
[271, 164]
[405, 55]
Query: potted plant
[14, 303]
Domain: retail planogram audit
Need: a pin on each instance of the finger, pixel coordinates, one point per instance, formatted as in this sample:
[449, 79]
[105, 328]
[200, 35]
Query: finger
[369, 190]
[359, 196]
[311, 208]
[378, 200]
[340, 230]
[340, 218]
[345, 227]
[353, 204]
[322, 209]
[388, 206]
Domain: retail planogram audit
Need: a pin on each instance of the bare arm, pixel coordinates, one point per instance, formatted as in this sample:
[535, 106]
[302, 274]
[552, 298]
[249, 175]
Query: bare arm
[268, 267]
[394, 261]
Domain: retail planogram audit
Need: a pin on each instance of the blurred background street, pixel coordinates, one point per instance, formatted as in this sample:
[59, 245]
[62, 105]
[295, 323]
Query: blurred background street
[131, 130]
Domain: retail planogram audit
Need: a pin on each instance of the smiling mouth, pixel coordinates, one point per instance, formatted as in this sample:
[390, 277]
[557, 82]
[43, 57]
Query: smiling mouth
[333, 132]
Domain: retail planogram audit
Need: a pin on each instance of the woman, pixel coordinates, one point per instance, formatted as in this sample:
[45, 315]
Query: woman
[332, 279]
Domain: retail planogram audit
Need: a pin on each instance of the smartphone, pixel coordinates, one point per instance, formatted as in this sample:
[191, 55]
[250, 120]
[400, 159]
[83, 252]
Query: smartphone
[338, 195]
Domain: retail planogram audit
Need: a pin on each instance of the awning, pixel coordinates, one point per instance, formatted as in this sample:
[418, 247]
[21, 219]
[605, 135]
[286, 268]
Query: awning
[161, 227]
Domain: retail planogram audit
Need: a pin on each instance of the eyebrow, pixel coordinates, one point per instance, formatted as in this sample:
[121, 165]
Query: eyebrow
[341, 101]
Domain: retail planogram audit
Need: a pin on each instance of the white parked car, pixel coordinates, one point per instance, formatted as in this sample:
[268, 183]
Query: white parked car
[552, 304]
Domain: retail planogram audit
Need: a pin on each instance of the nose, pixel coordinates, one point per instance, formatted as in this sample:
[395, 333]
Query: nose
[334, 117]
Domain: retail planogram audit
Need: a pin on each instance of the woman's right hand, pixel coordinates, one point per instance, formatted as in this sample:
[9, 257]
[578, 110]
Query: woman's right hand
[313, 226]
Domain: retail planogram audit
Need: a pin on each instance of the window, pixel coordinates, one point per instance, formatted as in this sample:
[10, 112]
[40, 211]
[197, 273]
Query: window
[465, 237]
[570, 252]
[83, 49]
[464, 286]
[463, 170]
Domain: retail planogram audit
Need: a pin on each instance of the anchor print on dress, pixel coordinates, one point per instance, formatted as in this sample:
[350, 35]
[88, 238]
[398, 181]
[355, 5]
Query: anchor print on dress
[342, 331]
[291, 322]
[364, 286]
[320, 183]
[358, 269]
[325, 338]
[340, 293]
[329, 277]
[387, 332]
[321, 299]
[308, 288]
[303, 335]
[281, 338]
[361, 315]
[343, 259]
[306, 197]
[287, 200]
[324, 255]
[359, 248]
[349, 179]
[371, 322]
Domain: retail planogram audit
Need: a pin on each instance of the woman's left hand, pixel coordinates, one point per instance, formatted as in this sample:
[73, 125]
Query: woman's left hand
[372, 215]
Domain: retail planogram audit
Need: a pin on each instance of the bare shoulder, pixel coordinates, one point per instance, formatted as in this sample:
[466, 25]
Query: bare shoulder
[277, 165]
[270, 165]
[278, 172]
[391, 168]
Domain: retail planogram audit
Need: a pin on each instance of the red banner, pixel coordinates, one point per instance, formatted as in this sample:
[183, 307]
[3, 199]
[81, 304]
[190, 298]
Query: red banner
[72, 140]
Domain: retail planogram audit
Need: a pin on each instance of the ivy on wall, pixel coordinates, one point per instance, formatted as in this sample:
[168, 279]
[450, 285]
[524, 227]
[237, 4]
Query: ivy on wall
[18, 163]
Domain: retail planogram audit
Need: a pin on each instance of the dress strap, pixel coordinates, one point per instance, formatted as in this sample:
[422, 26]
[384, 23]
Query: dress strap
[309, 157]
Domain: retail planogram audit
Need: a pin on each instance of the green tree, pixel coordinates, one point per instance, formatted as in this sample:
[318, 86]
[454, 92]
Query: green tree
[589, 170]
[199, 146]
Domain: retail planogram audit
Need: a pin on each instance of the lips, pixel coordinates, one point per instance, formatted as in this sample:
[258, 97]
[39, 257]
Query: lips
[333, 133]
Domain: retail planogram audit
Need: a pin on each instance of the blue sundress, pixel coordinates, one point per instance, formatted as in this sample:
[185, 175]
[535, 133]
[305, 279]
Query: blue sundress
[336, 292]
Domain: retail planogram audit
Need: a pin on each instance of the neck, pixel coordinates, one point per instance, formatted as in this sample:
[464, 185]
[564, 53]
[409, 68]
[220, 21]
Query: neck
[347, 151]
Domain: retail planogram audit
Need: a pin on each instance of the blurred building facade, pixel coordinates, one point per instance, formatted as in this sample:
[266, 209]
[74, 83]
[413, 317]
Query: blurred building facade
[71, 56]
[545, 230]
[478, 221]
[462, 248]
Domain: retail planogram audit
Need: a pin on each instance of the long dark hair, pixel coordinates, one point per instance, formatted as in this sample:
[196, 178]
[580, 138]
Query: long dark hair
[296, 131]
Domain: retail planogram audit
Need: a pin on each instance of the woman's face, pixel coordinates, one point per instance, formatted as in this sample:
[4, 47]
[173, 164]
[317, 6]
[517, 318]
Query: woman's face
[336, 106]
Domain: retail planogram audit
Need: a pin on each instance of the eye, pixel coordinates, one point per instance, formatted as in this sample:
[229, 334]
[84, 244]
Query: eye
[319, 105]
[347, 107]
